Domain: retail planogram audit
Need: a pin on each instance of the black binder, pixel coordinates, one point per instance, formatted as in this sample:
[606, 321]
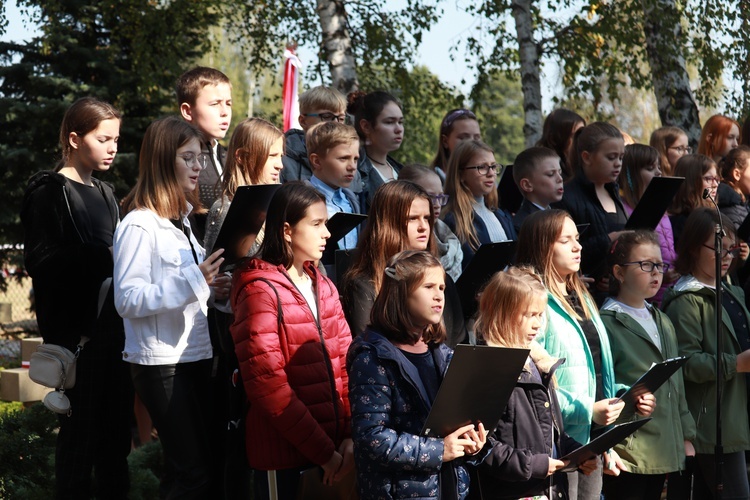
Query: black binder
[245, 217]
[654, 203]
[340, 225]
[489, 259]
[507, 191]
[604, 442]
[649, 382]
[476, 388]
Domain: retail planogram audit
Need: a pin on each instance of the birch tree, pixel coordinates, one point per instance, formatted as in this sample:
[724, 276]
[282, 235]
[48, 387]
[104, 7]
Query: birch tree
[337, 45]
[528, 53]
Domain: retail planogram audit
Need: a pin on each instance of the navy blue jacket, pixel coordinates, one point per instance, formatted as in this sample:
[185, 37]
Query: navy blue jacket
[389, 408]
[481, 229]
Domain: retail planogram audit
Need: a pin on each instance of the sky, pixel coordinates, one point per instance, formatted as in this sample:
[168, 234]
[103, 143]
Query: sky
[454, 25]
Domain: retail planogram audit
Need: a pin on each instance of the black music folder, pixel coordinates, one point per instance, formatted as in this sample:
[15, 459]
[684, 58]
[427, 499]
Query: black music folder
[654, 203]
[743, 232]
[476, 388]
[489, 259]
[649, 382]
[339, 226]
[604, 442]
[510, 197]
[245, 217]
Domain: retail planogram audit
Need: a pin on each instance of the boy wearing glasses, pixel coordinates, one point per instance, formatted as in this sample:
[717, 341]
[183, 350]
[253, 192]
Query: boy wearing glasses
[316, 105]
[538, 175]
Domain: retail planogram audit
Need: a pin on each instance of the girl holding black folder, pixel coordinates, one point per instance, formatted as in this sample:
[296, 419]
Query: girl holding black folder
[640, 335]
[586, 389]
[690, 306]
[529, 439]
[395, 369]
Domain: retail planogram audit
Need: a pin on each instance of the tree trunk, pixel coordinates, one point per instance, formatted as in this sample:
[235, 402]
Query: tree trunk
[664, 44]
[528, 52]
[337, 45]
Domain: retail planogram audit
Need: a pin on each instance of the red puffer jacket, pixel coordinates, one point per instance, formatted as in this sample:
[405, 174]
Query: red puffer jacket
[298, 396]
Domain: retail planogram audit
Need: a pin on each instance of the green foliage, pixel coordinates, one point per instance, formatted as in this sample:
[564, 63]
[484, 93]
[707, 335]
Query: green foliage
[146, 464]
[27, 452]
[383, 39]
[126, 52]
[499, 108]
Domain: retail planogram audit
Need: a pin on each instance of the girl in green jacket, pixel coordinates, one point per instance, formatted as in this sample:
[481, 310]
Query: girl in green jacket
[641, 335]
[690, 306]
[586, 390]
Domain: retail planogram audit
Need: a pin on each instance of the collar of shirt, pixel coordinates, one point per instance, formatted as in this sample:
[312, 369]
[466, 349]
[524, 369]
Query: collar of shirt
[329, 192]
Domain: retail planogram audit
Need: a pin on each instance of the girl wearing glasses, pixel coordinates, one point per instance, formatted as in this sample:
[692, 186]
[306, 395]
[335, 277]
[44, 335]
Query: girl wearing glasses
[457, 125]
[163, 285]
[641, 335]
[690, 306]
[672, 144]
[472, 211]
[448, 246]
[700, 173]
[592, 197]
[639, 166]
[719, 136]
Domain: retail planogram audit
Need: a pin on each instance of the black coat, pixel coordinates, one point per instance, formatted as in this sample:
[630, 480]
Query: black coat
[522, 441]
[581, 202]
[527, 208]
[66, 266]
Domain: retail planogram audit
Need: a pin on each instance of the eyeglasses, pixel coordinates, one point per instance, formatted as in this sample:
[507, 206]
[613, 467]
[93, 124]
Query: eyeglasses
[683, 150]
[733, 252]
[329, 117]
[190, 160]
[485, 169]
[647, 266]
[710, 180]
[439, 199]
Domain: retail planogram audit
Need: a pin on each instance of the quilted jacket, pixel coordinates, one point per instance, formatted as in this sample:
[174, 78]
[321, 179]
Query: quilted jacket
[292, 366]
[389, 408]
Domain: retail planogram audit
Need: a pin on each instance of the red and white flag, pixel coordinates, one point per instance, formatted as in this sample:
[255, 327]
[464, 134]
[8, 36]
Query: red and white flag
[290, 93]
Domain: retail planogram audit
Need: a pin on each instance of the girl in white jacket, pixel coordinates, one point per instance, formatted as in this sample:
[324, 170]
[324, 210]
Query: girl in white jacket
[163, 283]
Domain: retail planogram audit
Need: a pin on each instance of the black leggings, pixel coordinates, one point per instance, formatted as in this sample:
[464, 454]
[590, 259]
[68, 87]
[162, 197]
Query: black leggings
[178, 399]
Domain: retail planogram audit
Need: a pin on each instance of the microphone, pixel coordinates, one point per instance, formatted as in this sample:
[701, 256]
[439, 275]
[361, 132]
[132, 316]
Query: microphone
[707, 194]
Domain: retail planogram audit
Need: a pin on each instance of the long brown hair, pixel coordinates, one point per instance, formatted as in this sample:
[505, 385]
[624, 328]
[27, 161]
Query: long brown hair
[636, 158]
[690, 194]
[386, 234]
[390, 316]
[589, 138]
[662, 139]
[536, 242]
[702, 223]
[508, 295]
[247, 154]
[461, 200]
[157, 188]
[446, 127]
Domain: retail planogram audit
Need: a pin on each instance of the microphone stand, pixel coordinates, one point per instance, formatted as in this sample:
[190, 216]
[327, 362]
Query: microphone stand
[719, 448]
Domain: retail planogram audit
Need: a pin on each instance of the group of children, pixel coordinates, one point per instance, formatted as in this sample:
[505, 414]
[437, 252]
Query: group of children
[309, 379]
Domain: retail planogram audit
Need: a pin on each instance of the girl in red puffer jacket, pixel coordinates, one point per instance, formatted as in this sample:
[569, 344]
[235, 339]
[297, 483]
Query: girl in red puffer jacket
[291, 340]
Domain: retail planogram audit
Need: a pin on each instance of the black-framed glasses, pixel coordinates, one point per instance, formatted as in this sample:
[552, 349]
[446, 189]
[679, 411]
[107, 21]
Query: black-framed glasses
[329, 117]
[190, 159]
[647, 266]
[440, 199]
[733, 252]
[683, 150]
[485, 169]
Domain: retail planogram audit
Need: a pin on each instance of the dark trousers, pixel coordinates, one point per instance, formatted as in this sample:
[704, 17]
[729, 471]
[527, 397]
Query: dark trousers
[628, 486]
[96, 434]
[583, 487]
[734, 476]
[178, 399]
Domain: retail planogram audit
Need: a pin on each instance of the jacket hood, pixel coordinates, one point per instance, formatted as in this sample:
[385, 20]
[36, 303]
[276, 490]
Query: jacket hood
[726, 196]
[546, 363]
[612, 305]
[686, 284]
[295, 146]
